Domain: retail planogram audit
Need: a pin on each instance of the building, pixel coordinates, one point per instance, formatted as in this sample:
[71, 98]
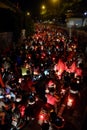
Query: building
[76, 22]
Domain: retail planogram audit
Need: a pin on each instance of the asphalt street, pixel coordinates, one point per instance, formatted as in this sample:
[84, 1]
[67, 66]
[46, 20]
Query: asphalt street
[32, 125]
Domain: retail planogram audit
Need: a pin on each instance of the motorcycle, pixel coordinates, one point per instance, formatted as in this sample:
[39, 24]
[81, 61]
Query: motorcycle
[18, 118]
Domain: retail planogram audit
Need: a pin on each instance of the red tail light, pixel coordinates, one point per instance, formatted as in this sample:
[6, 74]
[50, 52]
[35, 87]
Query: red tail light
[22, 110]
[41, 116]
[70, 102]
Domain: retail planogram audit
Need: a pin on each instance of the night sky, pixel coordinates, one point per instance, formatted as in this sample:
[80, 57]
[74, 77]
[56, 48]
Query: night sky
[33, 6]
[28, 5]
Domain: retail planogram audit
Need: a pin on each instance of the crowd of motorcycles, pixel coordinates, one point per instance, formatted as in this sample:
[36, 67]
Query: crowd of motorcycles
[22, 103]
[15, 115]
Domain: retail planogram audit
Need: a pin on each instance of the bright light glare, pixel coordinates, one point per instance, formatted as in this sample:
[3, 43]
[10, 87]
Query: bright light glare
[85, 13]
[70, 102]
[41, 117]
[28, 13]
[54, 1]
[43, 7]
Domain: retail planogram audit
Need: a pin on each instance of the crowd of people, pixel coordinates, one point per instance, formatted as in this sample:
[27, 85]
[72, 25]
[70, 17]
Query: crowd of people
[48, 55]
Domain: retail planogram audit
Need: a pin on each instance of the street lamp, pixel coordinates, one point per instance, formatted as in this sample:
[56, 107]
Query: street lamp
[43, 7]
[43, 11]
[55, 6]
[28, 13]
[54, 1]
